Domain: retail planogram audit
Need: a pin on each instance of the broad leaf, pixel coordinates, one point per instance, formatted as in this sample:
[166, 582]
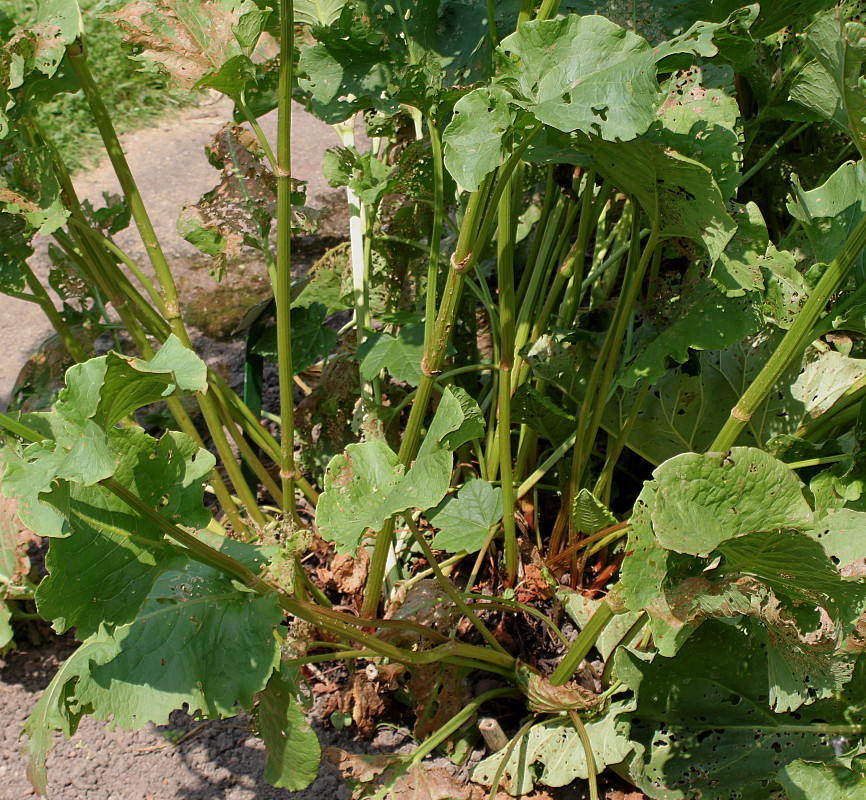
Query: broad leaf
[363, 173]
[101, 572]
[400, 355]
[476, 139]
[804, 780]
[588, 74]
[311, 338]
[589, 515]
[833, 84]
[830, 212]
[367, 485]
[703, 725]
[682, 191]
[464, 521]
[198, 641]
[191, 41]
[551, 753]
[703, 319]
[701, 501]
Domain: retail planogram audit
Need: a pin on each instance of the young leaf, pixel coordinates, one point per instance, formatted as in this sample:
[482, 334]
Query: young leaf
[292, 748]
[589, 515]
[400, 355]
[464, 521]
[311, 338]
[365, 174]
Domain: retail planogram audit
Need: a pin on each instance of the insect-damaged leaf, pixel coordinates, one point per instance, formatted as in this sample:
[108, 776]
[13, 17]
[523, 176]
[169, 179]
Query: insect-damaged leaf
[366, 485]
[703, 724]
[198, 641]
[551, 753]
[832, 83]
[191, 40]
[102, 571]
[588, 74]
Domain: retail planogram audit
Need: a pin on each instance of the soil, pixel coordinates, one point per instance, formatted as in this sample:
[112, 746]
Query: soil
[188, 759]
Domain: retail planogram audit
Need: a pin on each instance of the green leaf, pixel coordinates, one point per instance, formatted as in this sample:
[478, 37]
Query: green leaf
[703, 320]
[476, 139]
[830, 212]
[15, 249]
[363, 173]
[199, 641]
[833, 84]
[317, 12]
[551, 753]
[588, 74]
[400, 355]
[702, 500]
[232, 77]
[291, 747]
[589, 515]
[699, 118]
[102, 571]
[366, 485]
[803, 780]
[29, 189]
[56, 710]
[311, 338]
[471, 425]
[192, 41]
[464, 521]
[702, 724]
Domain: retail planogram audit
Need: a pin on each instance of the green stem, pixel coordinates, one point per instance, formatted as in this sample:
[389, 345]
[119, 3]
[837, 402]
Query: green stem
[795, 341]
[436, 229]
[505, 269]
[584, 642]
[283, 287]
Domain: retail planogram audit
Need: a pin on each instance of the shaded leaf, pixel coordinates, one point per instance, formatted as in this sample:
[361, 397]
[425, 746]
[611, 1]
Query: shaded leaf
[400, 355]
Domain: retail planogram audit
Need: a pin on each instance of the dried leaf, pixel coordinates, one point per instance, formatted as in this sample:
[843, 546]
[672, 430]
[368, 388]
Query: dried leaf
[191, 39]
[439, 694]
[361, 698]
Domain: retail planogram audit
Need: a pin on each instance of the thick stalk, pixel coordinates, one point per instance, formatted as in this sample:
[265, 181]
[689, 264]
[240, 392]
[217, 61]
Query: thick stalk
[505, 269]
[435, 231]
[283, 287]
[795, 341]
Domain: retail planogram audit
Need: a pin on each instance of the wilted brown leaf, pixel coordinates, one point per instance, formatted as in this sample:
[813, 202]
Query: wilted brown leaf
[423, 782]
[439, 695]
[190, 39]
[361, 699]
[346, 573]
[355, 766]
